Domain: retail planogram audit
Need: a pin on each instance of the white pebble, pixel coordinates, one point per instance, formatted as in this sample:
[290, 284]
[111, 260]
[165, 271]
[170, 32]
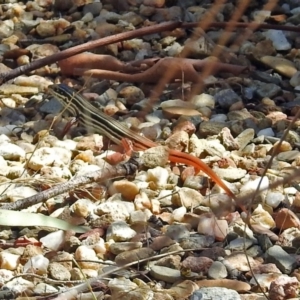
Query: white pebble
[179, 213]
[278, 39]
[9, 261]
[54, 240]
[266, 132]
[159, 175]
[251, 185]
[12, 152]
[37, 264]
[273, 199]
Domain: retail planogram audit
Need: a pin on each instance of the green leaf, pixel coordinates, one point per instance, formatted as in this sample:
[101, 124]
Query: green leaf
[24, 219]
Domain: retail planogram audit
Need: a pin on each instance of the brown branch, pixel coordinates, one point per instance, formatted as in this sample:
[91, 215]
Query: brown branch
[166, 26]
[252, 25]
[109, 171]
[182, 69]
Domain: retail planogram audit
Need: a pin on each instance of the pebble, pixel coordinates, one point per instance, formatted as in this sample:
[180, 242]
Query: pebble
[44, 288]
[58, 271]
[239, 244]
[135, 255]
[284, 287]
[203, 100]
[19, 286]
[126, 188]
[165, 274]
[239, 261]
[208, 128]
[198, 264]
[217, 270]
[119, 231]
[283, 261]
[261, 217]
[12, 152]
[49, 156]
[216, 293]
[177, 232]
[226, 98]
[9, 261]
[281, 65]
[156, 156]
[266, 132]
[37, 264]
[273, 199]
[54, 240]
[278, 39]
[86, 253]
[187, 197]
[117, 209]
[244, 138]
[117, 248]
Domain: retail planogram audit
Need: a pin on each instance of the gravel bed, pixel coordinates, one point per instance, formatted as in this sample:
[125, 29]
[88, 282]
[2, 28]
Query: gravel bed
[167, 232]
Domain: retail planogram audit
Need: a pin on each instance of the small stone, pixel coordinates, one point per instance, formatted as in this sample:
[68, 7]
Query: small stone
[273, 199]
[295, 80]
[244, 138]
[226, 98]
[230, 174]
[130, 256]
[54, 240]
[187, 197]
[177, 232]
[12, 152]
[208, 225]
[117, 209]
[58, 271]
[288, 156]
[154, 3]
[204, 100]
[9, 89]
[278, 39]
[126, 188]
[161, 242]
[208, 128]
[266, 132]
[86, 253]
[217, 270]
[9, 261]
[215, 293]
[121, 286]
[19, 286]
[165, 274]
[284, 287]
[262, 217]
[49, 156]
[20, 193]
[82, 207]
[197, 264]
[179, 213]
[285, 219]
[239, 261]
[119, 231]
[284, 262]
[183, 290]
[38, 264]
[156, 156]
[93, 8]
[281, 65]
[239, 244]
[44, 288]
